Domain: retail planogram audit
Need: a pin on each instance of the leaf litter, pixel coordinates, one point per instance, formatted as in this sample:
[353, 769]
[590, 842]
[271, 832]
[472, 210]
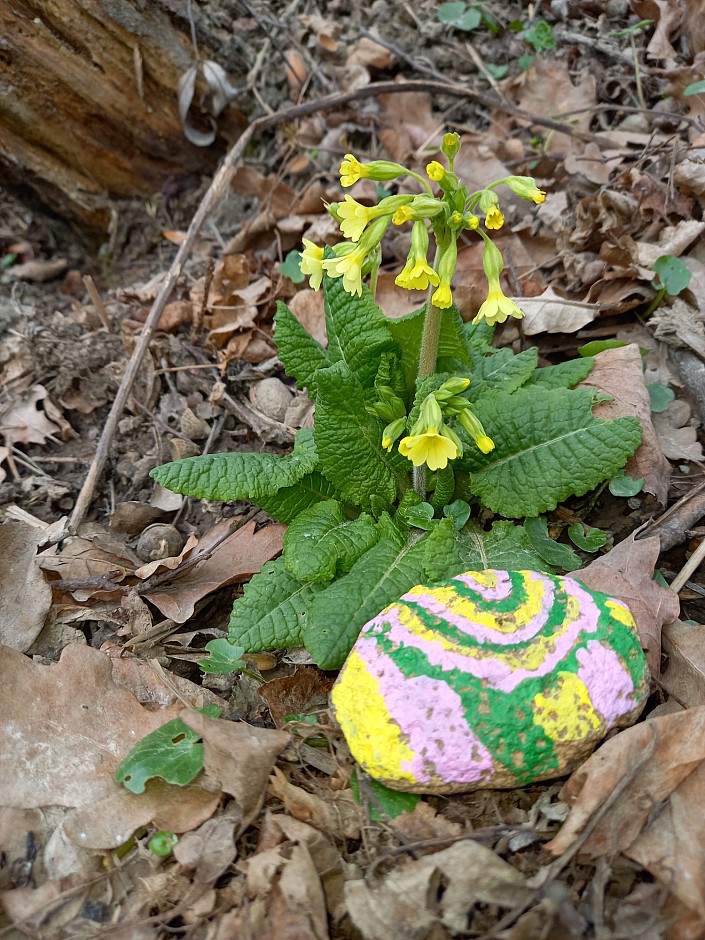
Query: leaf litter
[272, 838]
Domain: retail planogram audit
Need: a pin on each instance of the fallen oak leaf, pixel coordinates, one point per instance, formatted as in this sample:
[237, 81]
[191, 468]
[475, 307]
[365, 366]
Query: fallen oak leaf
[626, 573]
[66, 727]
[25, 595]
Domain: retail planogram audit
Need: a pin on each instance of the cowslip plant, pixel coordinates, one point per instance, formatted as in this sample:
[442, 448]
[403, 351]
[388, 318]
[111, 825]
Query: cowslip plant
[421, 429]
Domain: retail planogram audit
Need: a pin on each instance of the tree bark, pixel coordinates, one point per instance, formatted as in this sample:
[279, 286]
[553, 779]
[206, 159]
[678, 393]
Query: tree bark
[88, 99]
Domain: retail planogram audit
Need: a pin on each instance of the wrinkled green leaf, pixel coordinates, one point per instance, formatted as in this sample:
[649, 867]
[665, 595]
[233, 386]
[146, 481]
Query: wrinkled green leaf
[321, 543]
[548, 446]
[241, 475]
[564, 375]
[272, 610]
[286, 504]
[349, 442]
[452, 343]
[300, 353]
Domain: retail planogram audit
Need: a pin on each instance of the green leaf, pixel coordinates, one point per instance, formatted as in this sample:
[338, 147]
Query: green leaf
[496, 71]
[271, 612]
[239, 476]
[660, 396]
[459, 15]
[358, 331]
[540, 36]
[507, 547]
[384, 804]
[224, 657]
[695, 88]
[321, 543]
[623, 485]
[172, 752]
[290, 267]
[453, 347]
[672, 273]
[526, 61]
[556, 554]
[599, 345]
[505, 370]
[444, 486]
[590, 540]
[301, 354]
[382, 575]
[563, 375]
[349, 442]
[420, 516]
[286, 504]
[548, 446]
[458, 512]
[162, 843]
[479, 339]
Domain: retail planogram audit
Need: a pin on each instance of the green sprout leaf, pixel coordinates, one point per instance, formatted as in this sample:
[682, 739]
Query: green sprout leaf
[590, 540]
[162, 843]
[384, 804]
[695, 88]
[623, 485]
[419, 516]
[672, 273]
[290, 267]
[540, 36]
[172, 752]
[556, 554]
[459, 15]
[458, 511]
[224, 657]
[598, 346]
[660, 396]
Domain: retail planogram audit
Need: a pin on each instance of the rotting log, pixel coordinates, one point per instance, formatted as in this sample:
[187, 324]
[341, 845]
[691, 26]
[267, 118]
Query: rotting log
[88, 100]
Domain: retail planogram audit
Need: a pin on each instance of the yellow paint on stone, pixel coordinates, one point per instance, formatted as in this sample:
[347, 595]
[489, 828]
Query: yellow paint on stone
[621, 613]
[374, 738]
[566, 712]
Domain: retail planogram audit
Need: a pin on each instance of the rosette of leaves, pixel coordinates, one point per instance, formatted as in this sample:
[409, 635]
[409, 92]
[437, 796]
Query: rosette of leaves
[359, 536]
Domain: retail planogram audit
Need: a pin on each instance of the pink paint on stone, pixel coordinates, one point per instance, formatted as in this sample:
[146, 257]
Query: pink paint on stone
[482, 634]
[499, 593]
[431, 716]
[609, 684]
[504, 676]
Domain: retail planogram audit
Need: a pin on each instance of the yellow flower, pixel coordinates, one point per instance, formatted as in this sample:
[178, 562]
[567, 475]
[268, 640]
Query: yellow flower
[354, 217]
[349, 267]
[442, 296]
[525, 187]
[416, 275]
[430, 448]
[497, 307]
[485, 443]
[402, 215]
[494, 218]
[312, 263]
[471, 222]
[351, 170]
[435, 171]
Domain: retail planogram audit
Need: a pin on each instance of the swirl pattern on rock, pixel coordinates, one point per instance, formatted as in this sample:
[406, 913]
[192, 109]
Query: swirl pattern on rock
[490, 679]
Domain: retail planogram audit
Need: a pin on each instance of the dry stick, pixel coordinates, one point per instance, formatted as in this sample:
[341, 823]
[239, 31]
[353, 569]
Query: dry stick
[216, 191]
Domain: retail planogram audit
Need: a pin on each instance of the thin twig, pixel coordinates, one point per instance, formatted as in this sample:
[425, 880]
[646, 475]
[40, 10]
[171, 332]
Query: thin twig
[689, 567]
[216, 192]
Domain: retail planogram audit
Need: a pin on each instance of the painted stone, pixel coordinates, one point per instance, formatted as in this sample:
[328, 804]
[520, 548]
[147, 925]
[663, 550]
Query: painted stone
[489, 679]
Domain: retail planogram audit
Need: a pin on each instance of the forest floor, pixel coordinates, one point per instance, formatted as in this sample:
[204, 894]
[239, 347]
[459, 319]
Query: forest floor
[596, 102]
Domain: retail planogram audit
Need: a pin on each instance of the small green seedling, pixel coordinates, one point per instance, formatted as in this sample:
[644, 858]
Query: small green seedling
[290, 267]
[383, 804]
[625, 486]
[695, 88]
[672, 277]
[162, 843]
[587, 538]
[660, 396]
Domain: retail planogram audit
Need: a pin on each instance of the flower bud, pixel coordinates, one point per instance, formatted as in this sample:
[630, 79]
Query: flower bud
[525, 187]
[492, 262]
[393, 430]
[450, 145]
[450, 434]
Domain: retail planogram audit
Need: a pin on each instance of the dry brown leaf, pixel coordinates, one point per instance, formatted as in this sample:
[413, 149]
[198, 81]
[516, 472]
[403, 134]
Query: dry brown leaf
[424, 823]
[68, 726]
[619, 373]
[307, 307]
[626, 573]
[667, 15]
[38, 271]
[236, 558]
[338, 815]
[654, 777]
[370, 54]
[549, 313]
[239, 758]
[24, 422]
[140, 678]
[408, 125]
[684, 644]
[673, 240]
[25, 596]
[400, 906]
[304, 691]
[210, 849]
[395, 301]
[676, 437]
[549, 91]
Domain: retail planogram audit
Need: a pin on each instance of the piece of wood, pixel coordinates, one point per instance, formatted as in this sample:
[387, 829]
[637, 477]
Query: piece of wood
[88, 101]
